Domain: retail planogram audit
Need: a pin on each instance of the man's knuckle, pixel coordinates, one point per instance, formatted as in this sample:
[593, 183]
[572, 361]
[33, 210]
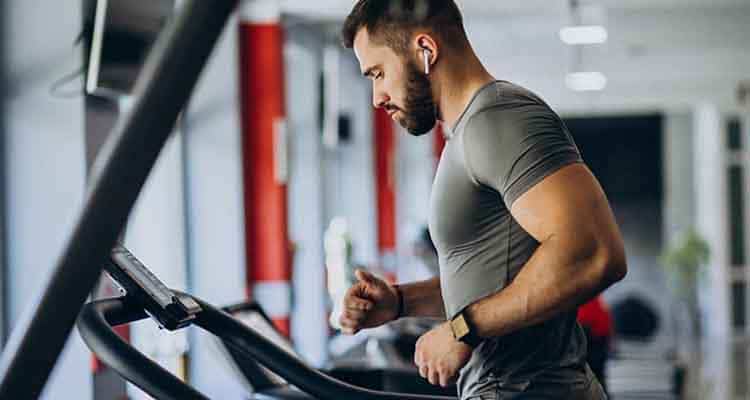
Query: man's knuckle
[347, 323]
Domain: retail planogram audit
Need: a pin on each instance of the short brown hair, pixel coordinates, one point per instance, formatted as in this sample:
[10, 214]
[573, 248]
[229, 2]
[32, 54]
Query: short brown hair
[393, 21]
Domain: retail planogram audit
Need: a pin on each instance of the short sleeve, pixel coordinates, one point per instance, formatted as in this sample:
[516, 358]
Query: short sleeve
[512, 149]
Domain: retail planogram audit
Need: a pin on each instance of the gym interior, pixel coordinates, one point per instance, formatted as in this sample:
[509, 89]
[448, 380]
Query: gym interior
[276, 179]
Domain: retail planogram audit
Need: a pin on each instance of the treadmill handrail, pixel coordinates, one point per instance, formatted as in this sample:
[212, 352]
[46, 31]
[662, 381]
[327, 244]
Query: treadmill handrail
[96, 323]
[296, 372]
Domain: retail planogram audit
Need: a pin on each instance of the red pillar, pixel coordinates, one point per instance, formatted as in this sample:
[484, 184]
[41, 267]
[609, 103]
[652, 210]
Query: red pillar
[385, 181]
[438, 142]
[267, 247]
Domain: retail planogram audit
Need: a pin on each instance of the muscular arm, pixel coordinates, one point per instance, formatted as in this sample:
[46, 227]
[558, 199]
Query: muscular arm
[580, 254]
[423, 299]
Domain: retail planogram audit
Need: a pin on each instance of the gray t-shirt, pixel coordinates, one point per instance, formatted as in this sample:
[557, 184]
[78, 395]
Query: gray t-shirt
[506, 141]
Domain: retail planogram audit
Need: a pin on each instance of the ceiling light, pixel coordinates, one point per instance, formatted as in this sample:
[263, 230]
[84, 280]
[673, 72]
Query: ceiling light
[585, 34]
[586, 81]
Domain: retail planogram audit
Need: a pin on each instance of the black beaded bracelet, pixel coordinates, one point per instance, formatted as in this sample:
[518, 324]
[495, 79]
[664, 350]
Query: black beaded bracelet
[400, 309]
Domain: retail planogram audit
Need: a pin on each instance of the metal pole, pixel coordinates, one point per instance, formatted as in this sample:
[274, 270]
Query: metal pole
[4, 8]
[162, 90]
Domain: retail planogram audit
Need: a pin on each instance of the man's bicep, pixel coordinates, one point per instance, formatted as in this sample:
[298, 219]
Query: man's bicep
[570, 206]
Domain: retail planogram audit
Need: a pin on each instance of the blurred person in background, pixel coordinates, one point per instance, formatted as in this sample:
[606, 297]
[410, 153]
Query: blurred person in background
[596, 321]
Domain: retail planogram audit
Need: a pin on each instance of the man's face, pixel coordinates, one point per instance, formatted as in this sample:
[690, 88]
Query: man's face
[398, 85]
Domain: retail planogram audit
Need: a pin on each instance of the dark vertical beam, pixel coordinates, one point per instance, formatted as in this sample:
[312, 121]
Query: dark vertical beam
[100, 116]
[3, 139]
[167, 79]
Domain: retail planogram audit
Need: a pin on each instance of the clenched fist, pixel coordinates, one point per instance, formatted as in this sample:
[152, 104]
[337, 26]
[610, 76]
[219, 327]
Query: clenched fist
[439, 356]
[368, 303]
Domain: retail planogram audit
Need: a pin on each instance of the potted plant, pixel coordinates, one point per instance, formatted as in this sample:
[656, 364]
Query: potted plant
[683, 263]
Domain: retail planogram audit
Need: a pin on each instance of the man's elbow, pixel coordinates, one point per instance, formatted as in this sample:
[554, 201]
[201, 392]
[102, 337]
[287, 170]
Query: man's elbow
[612, 266]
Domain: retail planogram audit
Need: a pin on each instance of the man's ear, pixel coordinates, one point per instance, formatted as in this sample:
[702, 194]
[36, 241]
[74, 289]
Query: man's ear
[426, 51]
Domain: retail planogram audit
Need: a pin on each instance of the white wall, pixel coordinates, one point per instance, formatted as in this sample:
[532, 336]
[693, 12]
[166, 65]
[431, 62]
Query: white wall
[45, 164]
[349, 170]
[678, 207]
[306, 194]
[213, 178]
[156, 236]
[679, 202]
[711, 215]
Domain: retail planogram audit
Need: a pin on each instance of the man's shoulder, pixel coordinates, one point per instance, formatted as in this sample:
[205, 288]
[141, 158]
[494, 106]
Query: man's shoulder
[497, 100]
[509, 121]
[512, 98]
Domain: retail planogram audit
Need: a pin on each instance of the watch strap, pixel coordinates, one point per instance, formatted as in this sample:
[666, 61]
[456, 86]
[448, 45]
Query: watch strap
[464, 331]
[400, 302]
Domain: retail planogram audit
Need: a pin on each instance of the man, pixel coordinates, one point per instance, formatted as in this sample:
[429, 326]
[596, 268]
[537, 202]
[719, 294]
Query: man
[523, 230]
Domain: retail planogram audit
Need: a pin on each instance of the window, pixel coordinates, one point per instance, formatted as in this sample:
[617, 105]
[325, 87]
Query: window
[736, 223]
[739, 310]
[736, 215]
[734, 134]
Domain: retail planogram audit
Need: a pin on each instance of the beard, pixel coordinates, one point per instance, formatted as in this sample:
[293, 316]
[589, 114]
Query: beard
[419, 106]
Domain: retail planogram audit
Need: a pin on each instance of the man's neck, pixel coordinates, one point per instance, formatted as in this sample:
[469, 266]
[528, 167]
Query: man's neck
[458, 86]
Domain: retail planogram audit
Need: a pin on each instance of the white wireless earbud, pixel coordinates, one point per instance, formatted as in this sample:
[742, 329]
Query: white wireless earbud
[426, 54]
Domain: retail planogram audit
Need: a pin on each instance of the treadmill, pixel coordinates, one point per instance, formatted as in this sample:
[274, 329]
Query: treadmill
[272, 368]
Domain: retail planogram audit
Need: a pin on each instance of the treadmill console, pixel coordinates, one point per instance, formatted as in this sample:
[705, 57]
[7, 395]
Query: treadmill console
[167, 308]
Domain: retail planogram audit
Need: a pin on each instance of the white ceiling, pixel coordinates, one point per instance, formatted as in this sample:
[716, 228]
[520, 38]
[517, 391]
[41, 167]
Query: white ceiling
[541, 6]
[339, 8]
[661, 54]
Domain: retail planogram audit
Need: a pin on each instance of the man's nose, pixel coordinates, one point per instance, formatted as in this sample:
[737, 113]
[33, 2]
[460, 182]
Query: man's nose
[379, 100]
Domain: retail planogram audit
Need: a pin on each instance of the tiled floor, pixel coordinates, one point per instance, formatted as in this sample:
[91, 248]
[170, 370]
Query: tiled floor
[721, 372]
[717, 370]
[640, 372]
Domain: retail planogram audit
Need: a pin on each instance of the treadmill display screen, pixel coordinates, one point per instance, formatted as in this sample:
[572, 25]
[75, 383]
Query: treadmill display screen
[259, 323]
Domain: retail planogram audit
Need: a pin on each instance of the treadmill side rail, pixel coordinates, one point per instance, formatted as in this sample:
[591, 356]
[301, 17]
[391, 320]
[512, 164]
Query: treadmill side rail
[95, 324]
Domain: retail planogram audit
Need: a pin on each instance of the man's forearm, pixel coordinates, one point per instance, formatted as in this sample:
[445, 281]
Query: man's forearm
[546, 286]
[423, 299]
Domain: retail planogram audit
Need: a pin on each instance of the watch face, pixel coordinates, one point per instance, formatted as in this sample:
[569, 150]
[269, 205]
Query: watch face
[459, 327]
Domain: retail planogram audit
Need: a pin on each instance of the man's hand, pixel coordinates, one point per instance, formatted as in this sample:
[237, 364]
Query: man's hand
[440, 356]
[368, 303]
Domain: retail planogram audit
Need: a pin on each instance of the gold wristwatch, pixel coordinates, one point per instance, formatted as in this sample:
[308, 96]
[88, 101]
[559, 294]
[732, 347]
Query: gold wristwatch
[463, 331]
